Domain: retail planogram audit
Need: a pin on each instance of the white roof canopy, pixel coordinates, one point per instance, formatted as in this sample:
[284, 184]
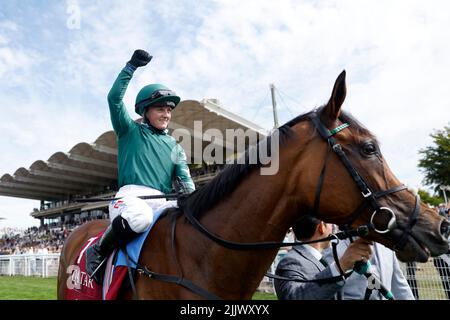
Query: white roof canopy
[91, 168]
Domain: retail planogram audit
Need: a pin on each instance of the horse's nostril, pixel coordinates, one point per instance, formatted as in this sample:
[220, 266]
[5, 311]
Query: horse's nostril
[445, 229]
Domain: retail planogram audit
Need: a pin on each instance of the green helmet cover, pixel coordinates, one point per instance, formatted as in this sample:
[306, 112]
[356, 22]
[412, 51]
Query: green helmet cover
[144, 98]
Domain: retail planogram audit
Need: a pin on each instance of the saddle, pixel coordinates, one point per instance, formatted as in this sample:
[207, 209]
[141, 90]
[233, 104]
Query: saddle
[81, 287]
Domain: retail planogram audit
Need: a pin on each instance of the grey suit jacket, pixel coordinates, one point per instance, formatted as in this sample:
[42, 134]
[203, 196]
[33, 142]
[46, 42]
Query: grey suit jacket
[384, 265]
[300, 263]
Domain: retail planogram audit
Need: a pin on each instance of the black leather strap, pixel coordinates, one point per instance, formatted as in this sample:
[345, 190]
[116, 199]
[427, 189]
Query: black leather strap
[320, 184]
[182, 282]
[130, 274]
[362, 185]
[319, 280]
[177, 280]
[407, 230]
[370, 198]
[174, 250]
[336, 258]
[258, 245]
[364, 204]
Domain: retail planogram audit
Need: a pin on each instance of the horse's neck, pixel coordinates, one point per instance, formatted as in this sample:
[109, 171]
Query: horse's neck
[257, 211]
[260, 209]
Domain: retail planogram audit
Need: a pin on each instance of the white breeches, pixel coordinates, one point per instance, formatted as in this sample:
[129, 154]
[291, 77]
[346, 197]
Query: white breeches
[137, 212]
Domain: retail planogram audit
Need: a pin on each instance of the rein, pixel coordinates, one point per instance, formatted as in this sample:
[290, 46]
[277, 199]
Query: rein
[361, 230]
[168, 196]
[180, 280]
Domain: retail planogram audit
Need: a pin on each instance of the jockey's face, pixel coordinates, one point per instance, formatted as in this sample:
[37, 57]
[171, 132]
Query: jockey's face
[159, 116]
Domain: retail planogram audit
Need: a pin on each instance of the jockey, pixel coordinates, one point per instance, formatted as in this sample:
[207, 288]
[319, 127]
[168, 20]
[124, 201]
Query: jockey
[148, 162]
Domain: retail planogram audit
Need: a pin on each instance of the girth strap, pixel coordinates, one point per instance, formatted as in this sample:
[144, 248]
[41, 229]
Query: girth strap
[179, 281]
[175, 279]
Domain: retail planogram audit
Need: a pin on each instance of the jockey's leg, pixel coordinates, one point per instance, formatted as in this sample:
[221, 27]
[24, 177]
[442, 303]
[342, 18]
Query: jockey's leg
[130, 216]
[96, 255]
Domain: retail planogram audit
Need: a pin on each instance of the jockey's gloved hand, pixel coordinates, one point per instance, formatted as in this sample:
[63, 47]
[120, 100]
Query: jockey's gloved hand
[140, 58]
[181, 187]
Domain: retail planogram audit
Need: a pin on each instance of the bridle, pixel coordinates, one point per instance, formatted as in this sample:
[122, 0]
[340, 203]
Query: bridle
[369, 197]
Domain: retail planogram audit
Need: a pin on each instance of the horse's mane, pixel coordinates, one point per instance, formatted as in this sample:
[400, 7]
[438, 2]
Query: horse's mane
[231, 176]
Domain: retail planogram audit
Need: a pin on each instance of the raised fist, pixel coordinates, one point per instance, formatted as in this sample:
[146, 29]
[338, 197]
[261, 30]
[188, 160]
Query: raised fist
[140, 58]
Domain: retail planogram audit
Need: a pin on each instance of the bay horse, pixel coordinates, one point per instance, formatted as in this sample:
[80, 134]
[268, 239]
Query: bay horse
[334, 171]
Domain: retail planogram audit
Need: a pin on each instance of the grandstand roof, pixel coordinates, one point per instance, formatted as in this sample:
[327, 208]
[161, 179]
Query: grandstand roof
[89, 168]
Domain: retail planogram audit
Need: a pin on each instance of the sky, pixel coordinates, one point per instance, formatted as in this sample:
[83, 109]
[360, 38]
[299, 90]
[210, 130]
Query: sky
[58, 60]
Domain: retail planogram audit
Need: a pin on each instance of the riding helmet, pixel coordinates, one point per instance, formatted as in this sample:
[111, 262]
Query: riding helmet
[152, 94]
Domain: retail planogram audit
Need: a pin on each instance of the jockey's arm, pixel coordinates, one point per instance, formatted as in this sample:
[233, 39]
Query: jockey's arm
[120, 118]
[182, 169]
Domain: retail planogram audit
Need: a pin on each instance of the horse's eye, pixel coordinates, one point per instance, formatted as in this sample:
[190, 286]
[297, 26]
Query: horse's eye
[369, 148]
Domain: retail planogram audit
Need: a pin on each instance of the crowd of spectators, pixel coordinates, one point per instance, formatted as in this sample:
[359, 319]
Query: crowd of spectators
[205, 170]
[34, 240]
[443, 210]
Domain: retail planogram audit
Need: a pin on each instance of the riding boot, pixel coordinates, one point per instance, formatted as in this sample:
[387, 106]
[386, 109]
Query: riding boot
[97, 254]
[118, 233]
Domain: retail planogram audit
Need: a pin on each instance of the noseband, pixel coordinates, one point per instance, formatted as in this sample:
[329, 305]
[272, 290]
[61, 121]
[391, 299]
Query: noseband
[370, 197]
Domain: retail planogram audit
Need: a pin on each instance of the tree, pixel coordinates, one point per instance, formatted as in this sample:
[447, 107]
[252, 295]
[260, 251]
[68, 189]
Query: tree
[435, 161]
[431, 200]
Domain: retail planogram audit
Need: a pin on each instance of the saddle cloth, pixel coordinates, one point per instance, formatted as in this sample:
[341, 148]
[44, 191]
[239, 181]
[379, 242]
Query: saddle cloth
[80, 287]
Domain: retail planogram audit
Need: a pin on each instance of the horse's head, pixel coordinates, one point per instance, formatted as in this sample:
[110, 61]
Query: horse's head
[349, 183]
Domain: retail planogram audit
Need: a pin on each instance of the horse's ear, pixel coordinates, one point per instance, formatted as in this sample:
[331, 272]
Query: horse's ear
[333, 108]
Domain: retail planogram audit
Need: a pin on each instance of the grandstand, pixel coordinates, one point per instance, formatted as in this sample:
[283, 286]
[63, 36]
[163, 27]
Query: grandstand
[90, 170]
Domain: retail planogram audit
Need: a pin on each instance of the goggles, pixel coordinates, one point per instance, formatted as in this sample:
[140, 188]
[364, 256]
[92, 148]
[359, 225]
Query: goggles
[161, 93]
[156, 95]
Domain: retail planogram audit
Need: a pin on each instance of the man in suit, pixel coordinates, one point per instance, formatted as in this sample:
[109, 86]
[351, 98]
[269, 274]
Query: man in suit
[384, 266]
[306, 263]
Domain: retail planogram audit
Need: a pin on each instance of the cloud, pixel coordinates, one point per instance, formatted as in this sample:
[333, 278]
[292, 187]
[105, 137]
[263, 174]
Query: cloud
[15, 60]
[395, 54]
[17, 213]
[35, 129]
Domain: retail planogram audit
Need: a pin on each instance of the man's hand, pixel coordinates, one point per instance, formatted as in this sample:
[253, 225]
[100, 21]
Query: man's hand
[359, 250]
[140, 58]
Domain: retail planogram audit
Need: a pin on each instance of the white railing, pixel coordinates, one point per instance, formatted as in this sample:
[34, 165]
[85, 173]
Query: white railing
[430, 280]
[41, 265]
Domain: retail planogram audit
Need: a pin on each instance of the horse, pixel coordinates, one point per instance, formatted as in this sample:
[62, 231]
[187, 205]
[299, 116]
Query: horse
[329, 165]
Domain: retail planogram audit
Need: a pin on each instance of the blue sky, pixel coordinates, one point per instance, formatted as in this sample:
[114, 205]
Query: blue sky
[58, 60]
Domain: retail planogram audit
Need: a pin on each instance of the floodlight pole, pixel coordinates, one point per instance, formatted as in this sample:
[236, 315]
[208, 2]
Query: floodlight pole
[443, 188]
[274, 106]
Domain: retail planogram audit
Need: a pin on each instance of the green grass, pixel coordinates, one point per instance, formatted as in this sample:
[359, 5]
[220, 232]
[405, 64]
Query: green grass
[264, 296]
[34, 288]
[27, 288]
